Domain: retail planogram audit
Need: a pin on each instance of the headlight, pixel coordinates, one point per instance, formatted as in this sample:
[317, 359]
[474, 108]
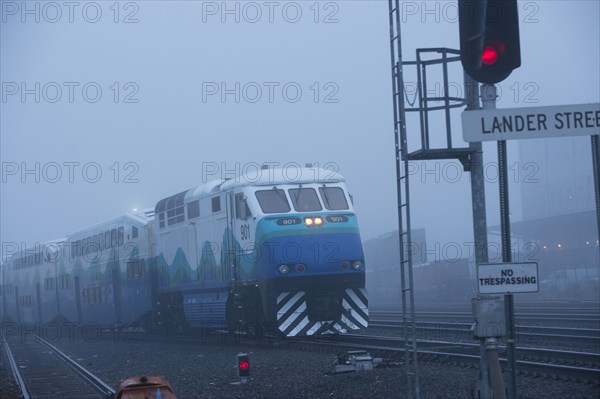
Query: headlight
[313, 221]
[284, 269]
[300, 268]
[345, 265]
[357, 264]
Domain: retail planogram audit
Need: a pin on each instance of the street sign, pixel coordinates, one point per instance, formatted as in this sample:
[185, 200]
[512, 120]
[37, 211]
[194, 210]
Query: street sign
[532, 122]
[507, 278]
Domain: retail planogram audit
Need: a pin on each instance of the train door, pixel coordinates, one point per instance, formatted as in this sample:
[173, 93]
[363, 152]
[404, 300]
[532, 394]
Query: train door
[3, 314]
[116, 287]
[154, 284]
[39, 302]
[231, 252]
[192, 250]
[78, 299]
[18, 304]
[57, 295]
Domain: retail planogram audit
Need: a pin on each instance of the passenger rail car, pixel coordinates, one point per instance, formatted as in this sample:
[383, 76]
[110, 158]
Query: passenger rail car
[95, 275]
[264, 250]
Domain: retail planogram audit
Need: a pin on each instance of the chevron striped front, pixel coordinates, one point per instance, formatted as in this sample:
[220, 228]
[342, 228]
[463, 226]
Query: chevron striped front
[292, 314]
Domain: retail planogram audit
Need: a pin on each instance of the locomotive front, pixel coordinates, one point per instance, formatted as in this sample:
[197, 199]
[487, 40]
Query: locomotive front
[306, 259]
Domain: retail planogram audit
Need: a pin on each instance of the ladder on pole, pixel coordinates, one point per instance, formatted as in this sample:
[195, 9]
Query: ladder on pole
[402, 186]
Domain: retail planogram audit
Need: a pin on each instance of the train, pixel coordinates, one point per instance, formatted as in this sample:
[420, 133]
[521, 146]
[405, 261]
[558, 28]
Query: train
[277, 250]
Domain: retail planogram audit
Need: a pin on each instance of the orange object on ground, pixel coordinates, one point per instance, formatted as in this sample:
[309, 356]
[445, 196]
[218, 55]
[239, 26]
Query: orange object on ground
[142, 387]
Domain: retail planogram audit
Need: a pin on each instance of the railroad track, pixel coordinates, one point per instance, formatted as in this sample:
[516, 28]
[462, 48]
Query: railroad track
[554, 362]
[524, 332]
[581, 319]
[580, 365]
[42, 371]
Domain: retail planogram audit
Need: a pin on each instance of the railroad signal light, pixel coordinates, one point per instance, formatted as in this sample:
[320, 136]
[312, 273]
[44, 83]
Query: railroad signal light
[489, 38]
[243, 362]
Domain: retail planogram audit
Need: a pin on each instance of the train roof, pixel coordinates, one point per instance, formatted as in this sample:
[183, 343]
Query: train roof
[140, 218]
[256, 177]
[291, 175]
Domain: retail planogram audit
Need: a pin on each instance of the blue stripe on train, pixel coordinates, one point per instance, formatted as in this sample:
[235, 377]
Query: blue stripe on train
[321, 254]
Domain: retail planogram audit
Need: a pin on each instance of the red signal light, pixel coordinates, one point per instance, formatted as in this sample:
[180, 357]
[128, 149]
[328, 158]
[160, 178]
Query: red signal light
[489, 56]
[492, 52]
[243, 361]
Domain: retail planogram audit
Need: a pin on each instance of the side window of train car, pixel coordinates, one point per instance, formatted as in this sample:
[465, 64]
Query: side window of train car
[193, 209]
[241, 207]
[121, 235]
[136, 269]
[107, 239]
[216, 204]
[113, 238]
[134, 232]
[63, 282]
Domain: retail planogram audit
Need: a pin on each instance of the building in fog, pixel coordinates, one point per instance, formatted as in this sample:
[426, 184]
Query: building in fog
[559, 224]
[435, 280]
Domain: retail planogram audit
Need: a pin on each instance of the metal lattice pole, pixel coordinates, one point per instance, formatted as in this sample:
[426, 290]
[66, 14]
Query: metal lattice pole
[402, 186]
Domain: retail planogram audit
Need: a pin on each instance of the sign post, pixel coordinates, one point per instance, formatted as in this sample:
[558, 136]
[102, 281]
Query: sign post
[488, 97]
[491, 124]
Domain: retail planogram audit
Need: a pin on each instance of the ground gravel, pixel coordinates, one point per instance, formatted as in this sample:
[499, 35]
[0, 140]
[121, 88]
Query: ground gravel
[207, 369]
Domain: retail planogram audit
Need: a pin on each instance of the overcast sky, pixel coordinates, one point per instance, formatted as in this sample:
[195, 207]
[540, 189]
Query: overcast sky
[134, 91]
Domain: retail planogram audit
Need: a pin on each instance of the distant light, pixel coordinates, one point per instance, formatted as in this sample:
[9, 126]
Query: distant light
[559, 245]
[545, 247]
[135, 209]
[587, 242]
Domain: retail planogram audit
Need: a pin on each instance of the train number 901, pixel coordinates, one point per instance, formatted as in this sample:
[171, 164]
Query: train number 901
[288, 221]
[245, 232]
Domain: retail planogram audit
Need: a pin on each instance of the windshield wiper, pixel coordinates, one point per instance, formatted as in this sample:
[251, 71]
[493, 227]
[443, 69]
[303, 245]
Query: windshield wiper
[325, 196]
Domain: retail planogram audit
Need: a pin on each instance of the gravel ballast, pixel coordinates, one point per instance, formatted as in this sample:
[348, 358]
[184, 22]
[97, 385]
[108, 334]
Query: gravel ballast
[207, 369]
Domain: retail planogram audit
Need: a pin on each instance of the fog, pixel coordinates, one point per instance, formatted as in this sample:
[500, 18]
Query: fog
[108, 107]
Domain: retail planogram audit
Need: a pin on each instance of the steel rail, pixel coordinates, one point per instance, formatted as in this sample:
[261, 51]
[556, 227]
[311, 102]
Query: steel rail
[99, 386]
[464, 352]
[14, 368]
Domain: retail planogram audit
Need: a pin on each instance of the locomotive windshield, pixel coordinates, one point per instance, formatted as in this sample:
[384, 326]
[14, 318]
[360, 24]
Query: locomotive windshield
[333, 198]
[305, 199]
[272, 201]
